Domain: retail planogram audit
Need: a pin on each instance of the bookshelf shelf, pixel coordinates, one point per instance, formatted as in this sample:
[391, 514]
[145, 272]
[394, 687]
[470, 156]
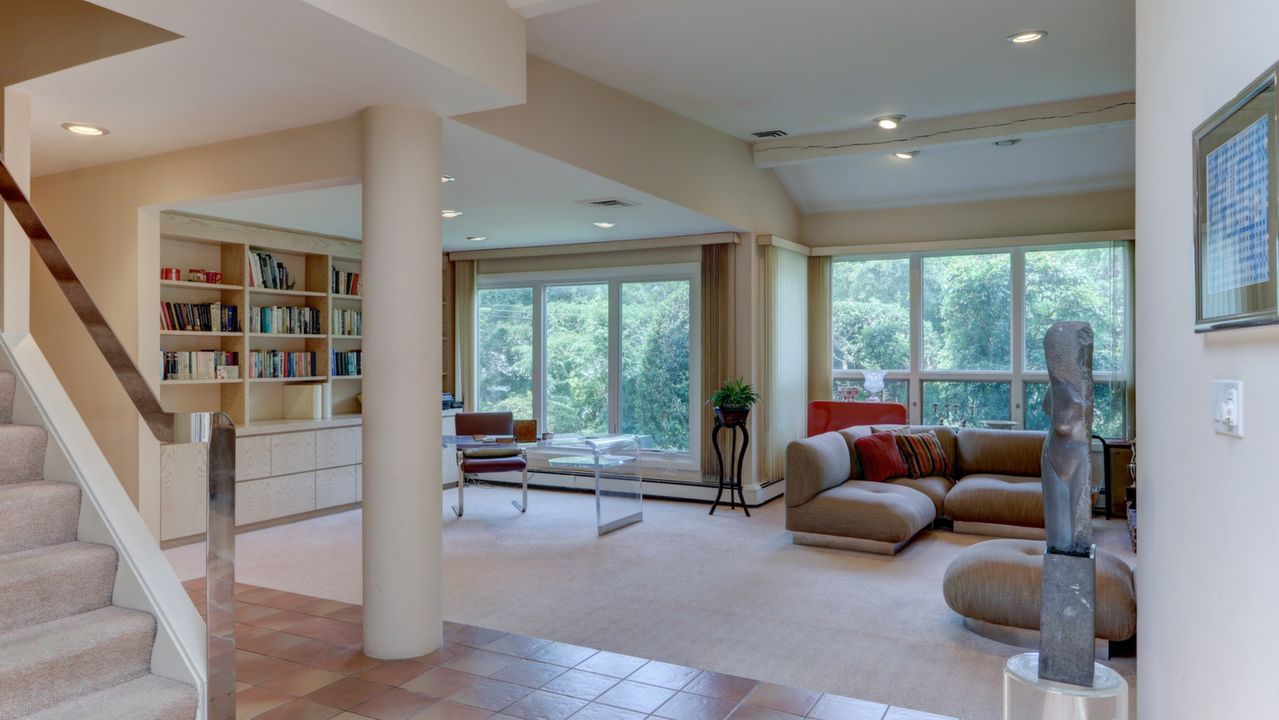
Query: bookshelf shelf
[286, 293]
[346, 377]
[183, 284]
[249, 256]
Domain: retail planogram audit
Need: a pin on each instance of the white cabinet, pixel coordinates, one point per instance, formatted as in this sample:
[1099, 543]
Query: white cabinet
[184, 490]
[336, 486]
[450, 473]
[340, 446]
[252, 457]
[274, 497]
[292, 452]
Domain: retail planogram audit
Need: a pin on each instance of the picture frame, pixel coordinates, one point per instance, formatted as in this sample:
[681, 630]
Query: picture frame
[1236, 239]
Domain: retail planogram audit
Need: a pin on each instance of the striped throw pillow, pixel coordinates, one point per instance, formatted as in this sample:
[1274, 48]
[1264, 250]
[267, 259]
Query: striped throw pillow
[923, 454]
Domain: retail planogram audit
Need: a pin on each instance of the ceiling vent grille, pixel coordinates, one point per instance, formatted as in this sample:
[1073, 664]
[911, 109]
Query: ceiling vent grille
[765, 134]
[609, 203]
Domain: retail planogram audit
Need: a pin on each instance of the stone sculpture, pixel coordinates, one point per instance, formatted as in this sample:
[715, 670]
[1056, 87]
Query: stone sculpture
[1069, 592]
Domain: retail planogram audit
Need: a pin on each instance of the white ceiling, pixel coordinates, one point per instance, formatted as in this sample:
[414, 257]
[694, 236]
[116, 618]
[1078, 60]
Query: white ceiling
[507, 193]
[809, 66]
[242, 67]
[1080, 161]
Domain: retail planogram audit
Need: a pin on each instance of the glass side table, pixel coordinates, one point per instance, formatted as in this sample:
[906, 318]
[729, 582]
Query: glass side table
[614, 460]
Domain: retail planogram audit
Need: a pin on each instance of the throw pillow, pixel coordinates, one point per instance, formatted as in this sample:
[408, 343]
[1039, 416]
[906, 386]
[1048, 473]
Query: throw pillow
[923, 454]
[879, 457]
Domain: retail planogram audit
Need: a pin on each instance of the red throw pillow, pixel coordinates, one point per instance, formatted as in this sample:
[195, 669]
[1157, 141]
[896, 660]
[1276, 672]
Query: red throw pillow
[880, 457]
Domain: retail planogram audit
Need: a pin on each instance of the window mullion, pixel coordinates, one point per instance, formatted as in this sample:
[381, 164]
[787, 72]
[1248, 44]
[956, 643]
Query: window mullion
[615, 356]
[539, 355]
[1018, 348]
[916, 392]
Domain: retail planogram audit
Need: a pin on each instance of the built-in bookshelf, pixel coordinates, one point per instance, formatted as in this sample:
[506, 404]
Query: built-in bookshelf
[288, 304]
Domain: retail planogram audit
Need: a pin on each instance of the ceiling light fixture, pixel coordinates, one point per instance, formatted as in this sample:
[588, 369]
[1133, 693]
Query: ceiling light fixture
[605, 225]
[450, 214]
[1009, 142]
[905, 154]
[446, 179]
[889, 122]
[476, 238]
[1027, 36]
[84, 129]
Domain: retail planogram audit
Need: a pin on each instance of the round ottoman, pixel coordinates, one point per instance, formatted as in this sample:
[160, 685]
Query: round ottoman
[998, 583]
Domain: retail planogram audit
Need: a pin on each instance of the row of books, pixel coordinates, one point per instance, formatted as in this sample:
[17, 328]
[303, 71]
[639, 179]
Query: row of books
[281, 364]
[201, 365]
[347, 322]
[266, 272]
[347, 364]
[344, 283]
[285, 320]
[199, 317]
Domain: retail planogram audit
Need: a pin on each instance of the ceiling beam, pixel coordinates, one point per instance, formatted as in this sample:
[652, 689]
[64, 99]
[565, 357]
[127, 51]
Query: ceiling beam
[1019, 122]
[534, 8]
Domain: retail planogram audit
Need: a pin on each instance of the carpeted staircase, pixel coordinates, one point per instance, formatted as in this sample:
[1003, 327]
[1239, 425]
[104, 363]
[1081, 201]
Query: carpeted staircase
[66, 653]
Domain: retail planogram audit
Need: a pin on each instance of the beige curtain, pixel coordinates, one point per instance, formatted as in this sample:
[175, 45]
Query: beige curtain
[820, 350]
[784, 353]
[464, 331]
[718, 337]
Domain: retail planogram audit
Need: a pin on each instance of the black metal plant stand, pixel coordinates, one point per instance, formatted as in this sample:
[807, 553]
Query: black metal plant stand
[734, 479]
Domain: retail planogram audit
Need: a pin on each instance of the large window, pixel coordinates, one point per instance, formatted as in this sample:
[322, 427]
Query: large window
[960, 334]
[593, 352]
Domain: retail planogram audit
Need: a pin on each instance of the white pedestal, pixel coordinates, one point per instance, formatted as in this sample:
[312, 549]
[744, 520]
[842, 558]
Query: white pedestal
[1026, 697]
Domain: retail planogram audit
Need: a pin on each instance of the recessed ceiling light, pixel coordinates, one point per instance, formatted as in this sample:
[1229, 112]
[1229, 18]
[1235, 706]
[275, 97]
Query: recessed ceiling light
[905, 154]
[605, 225]
[447, 179]
[84, 129]
[477, 238]
[1009, 142]
[1027, 36]
[889, 122]
[450, 213]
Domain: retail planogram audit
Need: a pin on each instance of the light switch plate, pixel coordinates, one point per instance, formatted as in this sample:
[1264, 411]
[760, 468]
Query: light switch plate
[1227, 407]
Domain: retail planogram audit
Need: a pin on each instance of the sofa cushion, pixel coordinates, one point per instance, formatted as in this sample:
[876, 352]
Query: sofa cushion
[999, 452]
[945, 435]
[879, 457]
[850, 436]
[923, 454]
[934, 486]
[1001, 581]
[815, 464]
[998, 499]
[867, 510]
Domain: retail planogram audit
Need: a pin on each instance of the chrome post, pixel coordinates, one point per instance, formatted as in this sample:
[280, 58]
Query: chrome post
[217, 430]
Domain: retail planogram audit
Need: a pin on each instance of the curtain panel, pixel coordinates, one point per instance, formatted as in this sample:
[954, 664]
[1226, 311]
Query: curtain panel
[784, 358]
[718, 336]
[820, 350]
[464, 332]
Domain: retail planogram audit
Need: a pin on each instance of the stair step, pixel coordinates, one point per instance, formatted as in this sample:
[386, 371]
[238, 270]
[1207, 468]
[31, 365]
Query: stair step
[36, 514]
[42, 665]
[8, 384]
[22, 453]
[149, 697]
[54, 581]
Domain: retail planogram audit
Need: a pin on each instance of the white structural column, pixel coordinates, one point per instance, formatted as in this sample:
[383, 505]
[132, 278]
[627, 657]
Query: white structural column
[403, 253]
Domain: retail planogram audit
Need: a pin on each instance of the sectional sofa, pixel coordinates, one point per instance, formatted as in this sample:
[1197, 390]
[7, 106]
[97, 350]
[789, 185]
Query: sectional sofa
[995, 490]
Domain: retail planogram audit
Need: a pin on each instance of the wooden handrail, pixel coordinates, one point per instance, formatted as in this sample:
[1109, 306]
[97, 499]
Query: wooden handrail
[126, 371]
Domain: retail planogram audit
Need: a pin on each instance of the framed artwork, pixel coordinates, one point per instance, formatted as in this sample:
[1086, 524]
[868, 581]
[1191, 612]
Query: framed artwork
[1236, 200]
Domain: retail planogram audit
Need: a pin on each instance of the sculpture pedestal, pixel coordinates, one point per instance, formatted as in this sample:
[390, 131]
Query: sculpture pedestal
[1026, 697]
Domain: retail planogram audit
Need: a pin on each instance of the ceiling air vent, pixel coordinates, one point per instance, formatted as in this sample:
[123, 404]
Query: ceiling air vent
[609, 203]
[765, 134]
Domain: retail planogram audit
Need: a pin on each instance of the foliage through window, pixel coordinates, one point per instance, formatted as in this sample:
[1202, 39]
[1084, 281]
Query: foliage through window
[577, 359]
[655, 361]
[967, 312]
[870, 314]
[504, 351]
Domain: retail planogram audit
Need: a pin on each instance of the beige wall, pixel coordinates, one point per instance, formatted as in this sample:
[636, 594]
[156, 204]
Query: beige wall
[1207, 582]
[1082, 212]
[105, 220]
[603, 130]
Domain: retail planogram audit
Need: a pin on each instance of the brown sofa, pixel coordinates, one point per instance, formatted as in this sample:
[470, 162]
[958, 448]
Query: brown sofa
[996, 490]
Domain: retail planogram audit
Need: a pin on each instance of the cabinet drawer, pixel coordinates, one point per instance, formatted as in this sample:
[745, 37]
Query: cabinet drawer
[335, 486]
[252, 457]
[270, 498]
[359, 483]
[292, 453]
[339, 446]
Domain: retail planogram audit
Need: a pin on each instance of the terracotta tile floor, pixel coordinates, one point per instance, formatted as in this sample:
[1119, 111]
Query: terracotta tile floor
[298, 658]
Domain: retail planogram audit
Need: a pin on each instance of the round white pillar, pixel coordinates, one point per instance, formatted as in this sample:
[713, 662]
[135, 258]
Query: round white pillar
[403, 253]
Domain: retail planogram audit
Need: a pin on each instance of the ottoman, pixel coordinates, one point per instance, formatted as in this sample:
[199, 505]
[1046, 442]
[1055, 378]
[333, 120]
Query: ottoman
[996, 587]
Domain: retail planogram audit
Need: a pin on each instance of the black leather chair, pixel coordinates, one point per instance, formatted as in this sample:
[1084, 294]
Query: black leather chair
[478, 461]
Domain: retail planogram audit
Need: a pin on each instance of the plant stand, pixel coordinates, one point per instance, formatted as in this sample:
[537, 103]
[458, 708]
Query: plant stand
[736, 458]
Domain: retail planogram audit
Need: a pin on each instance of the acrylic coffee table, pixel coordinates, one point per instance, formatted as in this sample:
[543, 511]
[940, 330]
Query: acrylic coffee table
[614, 461]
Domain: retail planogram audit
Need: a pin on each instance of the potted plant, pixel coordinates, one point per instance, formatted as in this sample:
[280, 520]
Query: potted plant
[733, 401]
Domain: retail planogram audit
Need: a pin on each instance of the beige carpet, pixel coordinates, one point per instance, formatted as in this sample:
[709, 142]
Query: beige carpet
[726, 593]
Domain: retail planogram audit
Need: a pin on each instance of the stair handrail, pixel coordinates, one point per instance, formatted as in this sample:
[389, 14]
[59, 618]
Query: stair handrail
[215, 429]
